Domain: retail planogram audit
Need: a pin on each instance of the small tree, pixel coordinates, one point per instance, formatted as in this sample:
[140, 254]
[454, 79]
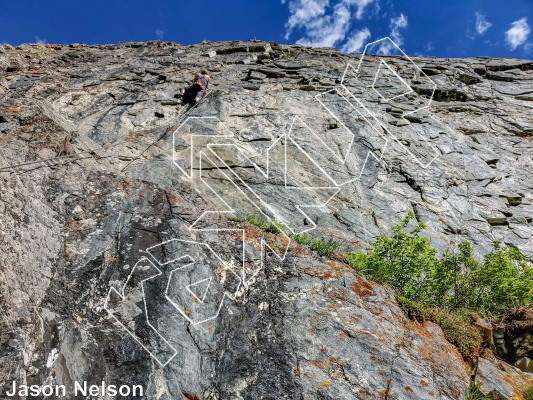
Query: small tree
[400, 261]
[451, 281]
[505, 281]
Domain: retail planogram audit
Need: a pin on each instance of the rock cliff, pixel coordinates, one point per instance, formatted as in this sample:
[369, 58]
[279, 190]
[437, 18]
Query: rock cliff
[122, 252]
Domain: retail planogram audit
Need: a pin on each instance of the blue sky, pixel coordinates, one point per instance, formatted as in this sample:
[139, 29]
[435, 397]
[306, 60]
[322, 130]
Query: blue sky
[442, 28]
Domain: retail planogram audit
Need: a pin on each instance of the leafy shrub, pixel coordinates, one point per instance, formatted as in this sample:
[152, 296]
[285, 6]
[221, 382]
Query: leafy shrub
[399, 261]
[408, 264]
[505, 281]
[450, 282]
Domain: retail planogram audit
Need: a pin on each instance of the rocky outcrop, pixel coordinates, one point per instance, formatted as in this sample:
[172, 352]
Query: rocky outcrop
[118, 261]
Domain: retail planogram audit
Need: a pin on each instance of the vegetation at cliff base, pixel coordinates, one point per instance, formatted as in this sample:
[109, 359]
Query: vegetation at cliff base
[456, 280]
[448, 289]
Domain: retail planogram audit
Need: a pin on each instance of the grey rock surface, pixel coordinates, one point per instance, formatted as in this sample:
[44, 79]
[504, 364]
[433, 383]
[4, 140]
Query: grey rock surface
[115, 211]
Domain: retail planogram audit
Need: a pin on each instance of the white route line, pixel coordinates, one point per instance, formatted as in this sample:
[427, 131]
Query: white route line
[194, 294]
[230, 210]
[376, 119]
[226, 294]
[122, 296]
[409, 88]
[234, 177]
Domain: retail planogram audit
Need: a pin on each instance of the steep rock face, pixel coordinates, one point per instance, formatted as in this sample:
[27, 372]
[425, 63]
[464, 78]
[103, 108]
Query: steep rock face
[124, 207]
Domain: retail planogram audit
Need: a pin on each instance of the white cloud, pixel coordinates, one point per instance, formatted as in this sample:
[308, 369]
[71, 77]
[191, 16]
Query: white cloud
[159, 33]
[325, 23]
[482, 24]
[396, 24]
[361, 4]
[304, 12]
[356, 41]
[327, 30]
[39, 40]
[517, 35]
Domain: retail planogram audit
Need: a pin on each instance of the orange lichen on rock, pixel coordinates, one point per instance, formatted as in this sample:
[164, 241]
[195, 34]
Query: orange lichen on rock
[511, 380]
[339, 294]
[295, 248]
[430, 344]
[330, 271]
[236, 235]
[9, 110]
[362, 287]
[376, 360]
[321, 364]
[172, 198]
[251, 232]
[354, 318]
[485, 329]
[125, 184]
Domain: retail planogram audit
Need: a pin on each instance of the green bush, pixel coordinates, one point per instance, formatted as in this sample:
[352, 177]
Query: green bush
[505, 281]
[400, 261]
[408, 264]
[451, 280]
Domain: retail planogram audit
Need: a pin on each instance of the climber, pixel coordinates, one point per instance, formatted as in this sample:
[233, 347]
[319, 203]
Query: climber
[195, 92]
